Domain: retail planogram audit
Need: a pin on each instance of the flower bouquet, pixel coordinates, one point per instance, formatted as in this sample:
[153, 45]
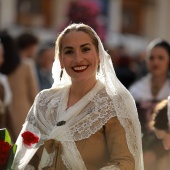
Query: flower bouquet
[7, 150]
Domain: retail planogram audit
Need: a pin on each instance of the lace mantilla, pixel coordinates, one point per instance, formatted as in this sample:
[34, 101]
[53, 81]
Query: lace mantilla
[91, 119]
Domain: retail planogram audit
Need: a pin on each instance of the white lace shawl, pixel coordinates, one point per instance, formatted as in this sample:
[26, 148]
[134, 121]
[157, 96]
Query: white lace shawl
[94, 109]
[117, 101]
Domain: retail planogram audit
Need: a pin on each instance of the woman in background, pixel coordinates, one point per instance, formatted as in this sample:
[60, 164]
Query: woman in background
[5, 95]
[44, 62]
[149, 90]
[155, 85]
[22, 83]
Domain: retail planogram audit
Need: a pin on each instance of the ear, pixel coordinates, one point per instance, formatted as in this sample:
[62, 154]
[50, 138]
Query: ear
[61, 62]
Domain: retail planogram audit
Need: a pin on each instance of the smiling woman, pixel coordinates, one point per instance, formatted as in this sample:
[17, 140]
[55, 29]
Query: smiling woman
[87, 120]
[80, 58]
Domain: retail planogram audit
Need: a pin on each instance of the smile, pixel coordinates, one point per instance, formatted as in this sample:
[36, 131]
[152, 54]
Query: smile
[80, 68]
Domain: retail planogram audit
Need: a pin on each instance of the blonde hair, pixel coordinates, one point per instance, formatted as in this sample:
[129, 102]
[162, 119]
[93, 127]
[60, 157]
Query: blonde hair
[76, 27]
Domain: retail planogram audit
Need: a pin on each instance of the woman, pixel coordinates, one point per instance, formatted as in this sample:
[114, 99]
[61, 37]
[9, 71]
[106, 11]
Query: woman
[149, 90]
[156, 84]
[88, 120]
[21, 81]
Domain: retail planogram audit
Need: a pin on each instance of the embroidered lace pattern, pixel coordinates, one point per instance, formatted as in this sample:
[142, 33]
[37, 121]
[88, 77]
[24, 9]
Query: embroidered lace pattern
[91, 119]
[29, 167]
[112, 167]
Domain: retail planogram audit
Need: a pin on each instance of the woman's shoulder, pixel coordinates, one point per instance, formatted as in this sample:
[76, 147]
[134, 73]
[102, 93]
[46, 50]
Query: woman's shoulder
[22, 69]
[48, 94]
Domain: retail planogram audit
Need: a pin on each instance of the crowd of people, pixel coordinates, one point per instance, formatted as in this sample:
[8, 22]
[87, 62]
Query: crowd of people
[20, 76]
[87, 106]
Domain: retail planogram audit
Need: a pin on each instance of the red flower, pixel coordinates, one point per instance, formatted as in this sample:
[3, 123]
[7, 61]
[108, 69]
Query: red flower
[30, 138]
[4, 153]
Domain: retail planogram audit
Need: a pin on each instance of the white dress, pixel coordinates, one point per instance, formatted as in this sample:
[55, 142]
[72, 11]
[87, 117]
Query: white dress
[141, 90]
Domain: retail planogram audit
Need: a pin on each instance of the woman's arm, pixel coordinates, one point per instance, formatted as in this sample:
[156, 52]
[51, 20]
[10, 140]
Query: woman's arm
[120, 156]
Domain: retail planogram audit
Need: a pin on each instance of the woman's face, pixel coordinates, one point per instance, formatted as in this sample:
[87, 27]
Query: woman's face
[79, 56]
[158, 61]
[165, 137]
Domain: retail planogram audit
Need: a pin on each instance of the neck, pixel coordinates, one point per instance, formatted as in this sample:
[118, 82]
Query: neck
[79, 90]
[157, 83]
[159, 79]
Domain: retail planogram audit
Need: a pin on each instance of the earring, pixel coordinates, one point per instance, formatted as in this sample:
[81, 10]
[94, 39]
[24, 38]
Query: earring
[61, 74]
[98, 68]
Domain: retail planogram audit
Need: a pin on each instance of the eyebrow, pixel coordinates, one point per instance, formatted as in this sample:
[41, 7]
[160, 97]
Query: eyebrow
[69, 47]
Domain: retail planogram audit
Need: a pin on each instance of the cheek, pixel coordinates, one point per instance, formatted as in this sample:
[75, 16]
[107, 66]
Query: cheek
[97, 60]
[166, 65]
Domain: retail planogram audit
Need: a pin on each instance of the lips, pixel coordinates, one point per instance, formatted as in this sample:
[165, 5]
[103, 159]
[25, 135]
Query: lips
[79, 68]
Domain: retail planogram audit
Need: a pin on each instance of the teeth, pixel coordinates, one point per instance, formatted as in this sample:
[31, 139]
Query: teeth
[80, 68]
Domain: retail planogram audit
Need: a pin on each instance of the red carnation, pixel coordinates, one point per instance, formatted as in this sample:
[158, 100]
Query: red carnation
[30, 138]
[4, 153]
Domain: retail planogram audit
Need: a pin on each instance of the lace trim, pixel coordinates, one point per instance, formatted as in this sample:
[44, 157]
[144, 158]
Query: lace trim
[71, 156]
[112, 167]
[50, 159]
[100, 110]
[91, 119]
[29, 167]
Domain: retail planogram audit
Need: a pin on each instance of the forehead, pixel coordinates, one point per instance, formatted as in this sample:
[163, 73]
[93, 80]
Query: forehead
[76, 38]
[159, 50]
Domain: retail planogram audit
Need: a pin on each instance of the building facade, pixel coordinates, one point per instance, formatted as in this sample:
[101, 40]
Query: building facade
[148, 18]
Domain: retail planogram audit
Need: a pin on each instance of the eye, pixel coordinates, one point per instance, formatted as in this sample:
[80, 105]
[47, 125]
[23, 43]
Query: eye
[161, 57]
[151, 58]
[85, 49]
[68, 52]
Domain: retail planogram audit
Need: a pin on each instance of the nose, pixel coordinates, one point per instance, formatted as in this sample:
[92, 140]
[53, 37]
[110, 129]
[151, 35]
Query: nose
[78, 57]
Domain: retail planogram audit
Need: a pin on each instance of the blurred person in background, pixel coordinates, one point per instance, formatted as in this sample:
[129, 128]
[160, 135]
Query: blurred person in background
[5, 95]
[123, 70]
[27, 44]
[44, 62]
[21, 80]
[160, 123]
[156, 84]
[140, 65]
[149, 90]
[123, 65]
